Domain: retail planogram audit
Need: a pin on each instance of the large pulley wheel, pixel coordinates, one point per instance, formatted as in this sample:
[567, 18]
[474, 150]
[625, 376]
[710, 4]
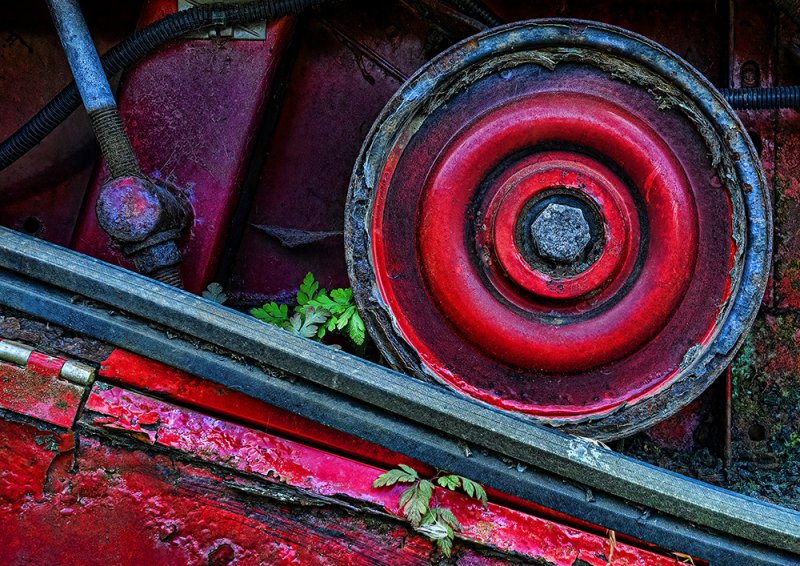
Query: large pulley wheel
[561, 219]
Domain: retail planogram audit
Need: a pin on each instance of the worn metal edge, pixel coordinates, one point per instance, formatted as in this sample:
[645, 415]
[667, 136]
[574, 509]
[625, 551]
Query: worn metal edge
[425, 443]
[567, 456]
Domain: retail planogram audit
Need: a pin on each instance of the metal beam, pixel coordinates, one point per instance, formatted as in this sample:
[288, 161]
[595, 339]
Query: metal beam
[398, 398]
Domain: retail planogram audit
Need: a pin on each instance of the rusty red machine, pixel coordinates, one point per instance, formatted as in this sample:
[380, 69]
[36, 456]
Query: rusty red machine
[559, 222]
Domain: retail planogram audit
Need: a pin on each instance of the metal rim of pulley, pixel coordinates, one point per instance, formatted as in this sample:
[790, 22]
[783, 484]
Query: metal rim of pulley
[562, 219]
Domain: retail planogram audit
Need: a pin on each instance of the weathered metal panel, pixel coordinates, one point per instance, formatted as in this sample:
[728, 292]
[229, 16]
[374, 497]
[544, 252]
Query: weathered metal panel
[35, 389]
[192, 110]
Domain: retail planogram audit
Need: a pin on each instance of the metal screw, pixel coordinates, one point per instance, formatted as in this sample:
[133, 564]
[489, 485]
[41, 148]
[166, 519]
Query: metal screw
[750, 75]
[561, 232]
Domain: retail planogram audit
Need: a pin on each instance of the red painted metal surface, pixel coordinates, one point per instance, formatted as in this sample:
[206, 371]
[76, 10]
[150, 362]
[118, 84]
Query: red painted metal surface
[347, 66]
[510, 345]
[542, 346]
[578, 175]
[230, 445]
[346, 69]
[35, 390]
[132, 371]
[345, 72]
[192, 110]
[101, 504]
[26, 454]
[310, 469]
[225, 493]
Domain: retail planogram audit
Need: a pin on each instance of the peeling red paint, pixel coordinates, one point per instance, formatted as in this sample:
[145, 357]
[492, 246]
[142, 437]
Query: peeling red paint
[285, 461]
[133, 371]
[45, 365]
[128, 507]
[36, 391]
[130, 370]
[26, 454]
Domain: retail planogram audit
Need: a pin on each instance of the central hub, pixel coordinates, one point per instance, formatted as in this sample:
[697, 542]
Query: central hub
[555, 228]
[561, 232]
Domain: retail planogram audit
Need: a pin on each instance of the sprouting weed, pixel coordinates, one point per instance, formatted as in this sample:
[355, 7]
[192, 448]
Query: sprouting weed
[317, 313]
[433, 521]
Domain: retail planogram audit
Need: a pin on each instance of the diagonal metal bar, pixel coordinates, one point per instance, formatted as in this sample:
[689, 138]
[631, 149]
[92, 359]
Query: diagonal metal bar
[343, 413]
[396, 394]
[94, 88]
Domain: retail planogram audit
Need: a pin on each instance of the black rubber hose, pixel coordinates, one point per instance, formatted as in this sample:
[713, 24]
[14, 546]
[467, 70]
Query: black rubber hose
[136, 46]
[770, 98]
[477, 10]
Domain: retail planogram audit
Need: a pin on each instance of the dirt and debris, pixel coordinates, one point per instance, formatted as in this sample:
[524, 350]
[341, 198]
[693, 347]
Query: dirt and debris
[765, 421]
[15, 327]
[776, 480]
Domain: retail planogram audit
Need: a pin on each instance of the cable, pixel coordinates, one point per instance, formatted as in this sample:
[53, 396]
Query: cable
[135, 47]
[477, 10]
[769, 98]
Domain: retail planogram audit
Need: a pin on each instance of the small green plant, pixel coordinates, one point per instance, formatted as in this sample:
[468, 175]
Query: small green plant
[215, 292]
[437, 523]
[317, 313]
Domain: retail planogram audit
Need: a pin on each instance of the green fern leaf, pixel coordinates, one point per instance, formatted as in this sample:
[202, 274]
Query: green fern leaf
[272, 313]
[474, 489]
[429, 518]
[356, 329]
[308, 290]
[418, 502]
[405, 497]
[450, 482]
[409, 470]
[214, 292]
[445, 545]
[394, 476]
[446, 516]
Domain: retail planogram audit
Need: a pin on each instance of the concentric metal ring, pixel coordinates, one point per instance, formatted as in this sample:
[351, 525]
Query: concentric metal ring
[611, 342]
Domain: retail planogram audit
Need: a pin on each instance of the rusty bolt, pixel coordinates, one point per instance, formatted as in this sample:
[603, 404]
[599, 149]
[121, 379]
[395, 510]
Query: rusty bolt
[561, 233]
[144, 220]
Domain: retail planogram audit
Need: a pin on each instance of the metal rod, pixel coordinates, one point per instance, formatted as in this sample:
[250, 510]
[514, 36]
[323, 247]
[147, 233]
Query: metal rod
[81, 54]
[94, 88]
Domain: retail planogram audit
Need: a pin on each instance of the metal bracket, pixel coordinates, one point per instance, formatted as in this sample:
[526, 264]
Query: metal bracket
[256, 31]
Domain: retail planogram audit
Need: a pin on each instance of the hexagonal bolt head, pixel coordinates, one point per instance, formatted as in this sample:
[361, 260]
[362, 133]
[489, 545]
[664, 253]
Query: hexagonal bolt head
[561, 232]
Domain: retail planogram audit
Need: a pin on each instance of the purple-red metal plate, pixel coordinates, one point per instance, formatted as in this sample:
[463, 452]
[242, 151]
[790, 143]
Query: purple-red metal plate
[192, 110]
[347, 66]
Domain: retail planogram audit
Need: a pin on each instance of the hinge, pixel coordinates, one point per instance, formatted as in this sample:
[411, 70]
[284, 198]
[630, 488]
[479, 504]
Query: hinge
[23, 355]
[37, 385]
